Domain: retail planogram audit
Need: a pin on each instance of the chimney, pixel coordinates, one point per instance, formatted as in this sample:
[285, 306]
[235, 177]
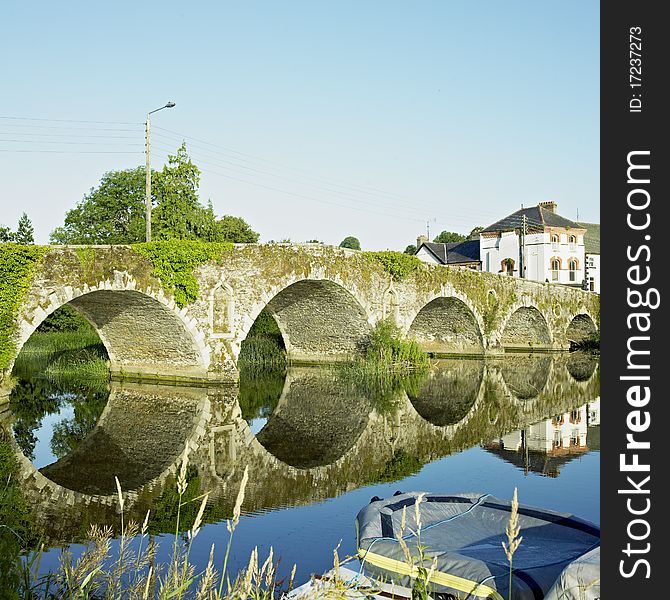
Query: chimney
[551, 206]
[420, 240]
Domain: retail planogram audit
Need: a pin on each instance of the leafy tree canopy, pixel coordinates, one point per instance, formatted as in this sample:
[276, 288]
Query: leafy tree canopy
[447, 237]
[235, 229]
[114, 212]
[411, 249]
[475, 232]
[350, 242]
[23, 234]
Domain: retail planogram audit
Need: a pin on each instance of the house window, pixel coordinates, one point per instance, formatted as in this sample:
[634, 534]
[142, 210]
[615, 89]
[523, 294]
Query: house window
[573, 243]
[592, 284]
[572, 264]
[557, 441]
[555, 268]
[554, 241]
[507, 266]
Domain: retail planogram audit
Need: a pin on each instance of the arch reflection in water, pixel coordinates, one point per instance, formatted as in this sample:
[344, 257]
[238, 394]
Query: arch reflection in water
[582, 365]
[526, 375]
[321, 441]
[314, 423]
[139, 435]
[450, 391]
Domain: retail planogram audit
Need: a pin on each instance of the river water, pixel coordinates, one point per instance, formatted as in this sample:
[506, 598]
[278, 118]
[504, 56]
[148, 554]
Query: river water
[318, 446]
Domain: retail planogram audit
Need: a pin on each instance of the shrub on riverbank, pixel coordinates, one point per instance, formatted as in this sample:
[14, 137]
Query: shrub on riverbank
[388, 365]
[387, 351]
[590, 343]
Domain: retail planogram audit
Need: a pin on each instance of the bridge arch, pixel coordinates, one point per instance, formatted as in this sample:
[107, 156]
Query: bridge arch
[581, 327]
[526, 327]
[319, 319]
[449, 323]
[144, 332]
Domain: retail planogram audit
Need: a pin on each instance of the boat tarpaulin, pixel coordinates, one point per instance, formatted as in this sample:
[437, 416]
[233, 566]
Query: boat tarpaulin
[580, 580]
[461, 536]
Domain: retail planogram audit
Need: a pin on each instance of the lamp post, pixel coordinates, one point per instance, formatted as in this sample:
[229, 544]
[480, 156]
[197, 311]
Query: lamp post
[148, 175]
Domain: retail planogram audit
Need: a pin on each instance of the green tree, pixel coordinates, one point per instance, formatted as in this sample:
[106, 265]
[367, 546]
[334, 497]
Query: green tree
[112, 213]
[24, 233]
[447, 237]
[350, 242]
[474, 234]
[411, 249]
[179, 214]
[6, 234]
[235, 229]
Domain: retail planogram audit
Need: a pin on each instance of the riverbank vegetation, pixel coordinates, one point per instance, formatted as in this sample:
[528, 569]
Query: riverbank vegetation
[589, 344]
[263, 348]
[64, 347]
[387, 365]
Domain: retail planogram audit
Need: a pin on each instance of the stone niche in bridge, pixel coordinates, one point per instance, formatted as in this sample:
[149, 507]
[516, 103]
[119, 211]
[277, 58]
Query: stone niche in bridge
[325, 301]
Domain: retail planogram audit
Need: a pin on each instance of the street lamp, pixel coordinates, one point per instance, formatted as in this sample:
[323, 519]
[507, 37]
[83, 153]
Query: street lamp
[148, 192]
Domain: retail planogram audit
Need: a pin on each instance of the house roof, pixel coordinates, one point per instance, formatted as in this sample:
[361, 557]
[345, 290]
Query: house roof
[454, 253]
[537, 218]
[591, 238]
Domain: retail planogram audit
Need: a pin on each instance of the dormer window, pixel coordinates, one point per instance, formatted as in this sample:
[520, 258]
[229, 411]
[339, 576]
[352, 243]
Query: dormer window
[554, 241]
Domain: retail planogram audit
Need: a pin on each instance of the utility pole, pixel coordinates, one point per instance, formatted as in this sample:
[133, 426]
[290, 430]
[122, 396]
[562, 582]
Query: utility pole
[148, 169]
[147, 198]
[522, 247]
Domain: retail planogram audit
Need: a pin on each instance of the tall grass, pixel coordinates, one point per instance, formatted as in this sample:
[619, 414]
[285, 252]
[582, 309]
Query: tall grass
[263, 348]
[60, 355]
[132, 571]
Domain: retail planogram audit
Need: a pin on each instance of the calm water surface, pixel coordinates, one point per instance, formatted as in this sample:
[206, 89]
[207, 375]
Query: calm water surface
[318, 448]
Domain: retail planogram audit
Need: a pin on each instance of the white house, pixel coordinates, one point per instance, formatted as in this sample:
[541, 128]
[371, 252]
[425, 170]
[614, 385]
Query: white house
[458, 254]
[592, 254]
[545, 446]
[552, 248]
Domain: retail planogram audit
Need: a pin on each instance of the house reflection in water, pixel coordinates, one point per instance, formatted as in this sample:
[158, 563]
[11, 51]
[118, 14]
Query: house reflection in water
[546, 446]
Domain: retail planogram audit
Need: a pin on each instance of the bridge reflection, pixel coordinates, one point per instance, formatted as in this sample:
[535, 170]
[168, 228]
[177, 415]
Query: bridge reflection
[321, 438]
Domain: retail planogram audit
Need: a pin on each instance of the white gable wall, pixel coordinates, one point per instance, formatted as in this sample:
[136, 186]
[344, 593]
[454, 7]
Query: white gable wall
[426, 256]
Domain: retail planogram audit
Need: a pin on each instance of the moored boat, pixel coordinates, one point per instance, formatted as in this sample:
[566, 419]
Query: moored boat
[456, 542]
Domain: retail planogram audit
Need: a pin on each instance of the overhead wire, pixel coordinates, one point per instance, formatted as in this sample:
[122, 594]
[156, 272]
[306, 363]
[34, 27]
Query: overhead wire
[414, 207]
[380, 202]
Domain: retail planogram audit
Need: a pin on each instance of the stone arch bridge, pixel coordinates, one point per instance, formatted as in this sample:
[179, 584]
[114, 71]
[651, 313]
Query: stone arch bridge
[325, 300]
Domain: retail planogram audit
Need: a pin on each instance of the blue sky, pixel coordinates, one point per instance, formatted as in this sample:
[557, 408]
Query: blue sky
[309, 119]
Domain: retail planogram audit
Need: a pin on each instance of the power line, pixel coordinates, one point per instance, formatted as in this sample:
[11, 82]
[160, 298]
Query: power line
[377, 209]
[414, 207]
[76, 151]
[67, 142]
[69, 127]
[356, 188]
[70, 121]
[311, 198]
[86, 135]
